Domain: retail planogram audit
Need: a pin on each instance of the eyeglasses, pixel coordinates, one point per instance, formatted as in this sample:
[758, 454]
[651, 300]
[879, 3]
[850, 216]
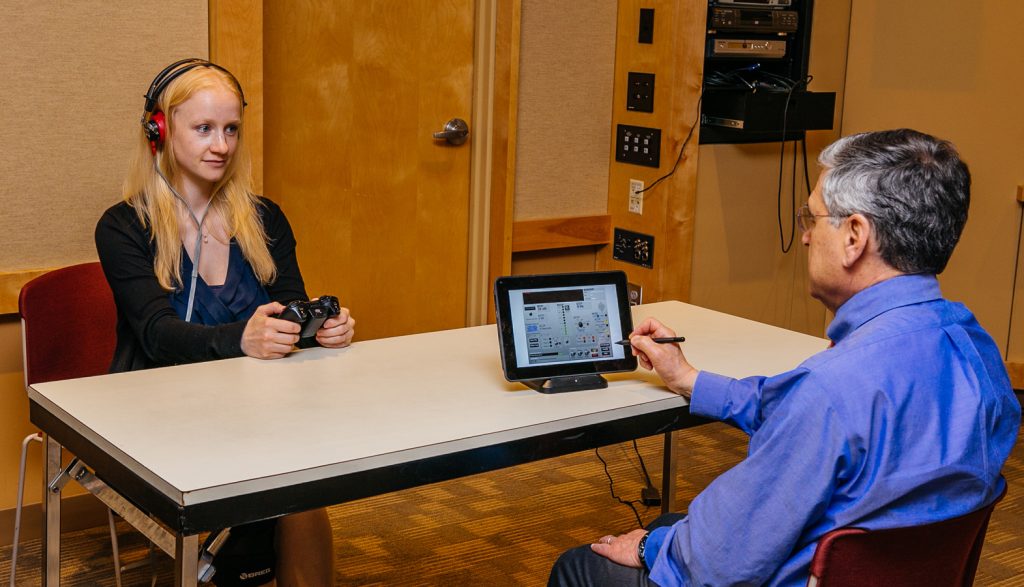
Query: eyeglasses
[805, 219]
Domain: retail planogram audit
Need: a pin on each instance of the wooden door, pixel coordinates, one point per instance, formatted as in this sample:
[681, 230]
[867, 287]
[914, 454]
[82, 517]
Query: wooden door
[354, 90]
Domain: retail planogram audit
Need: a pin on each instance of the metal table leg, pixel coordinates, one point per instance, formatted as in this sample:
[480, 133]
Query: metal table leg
[186, 561]
[668, 474]
[51, 516]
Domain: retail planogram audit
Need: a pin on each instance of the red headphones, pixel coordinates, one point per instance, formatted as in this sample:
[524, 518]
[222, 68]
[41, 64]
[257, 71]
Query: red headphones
[154, 123]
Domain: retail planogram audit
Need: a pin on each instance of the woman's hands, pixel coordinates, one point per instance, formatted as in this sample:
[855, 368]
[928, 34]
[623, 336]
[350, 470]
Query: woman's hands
[337, 331]
[266, 336]
[666, 359]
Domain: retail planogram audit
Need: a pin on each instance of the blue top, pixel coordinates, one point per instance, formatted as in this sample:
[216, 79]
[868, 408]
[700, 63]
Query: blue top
[907, 420]
[235, 300]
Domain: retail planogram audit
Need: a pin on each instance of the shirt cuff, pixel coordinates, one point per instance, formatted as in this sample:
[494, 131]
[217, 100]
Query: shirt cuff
[655, 539]
[709, 393]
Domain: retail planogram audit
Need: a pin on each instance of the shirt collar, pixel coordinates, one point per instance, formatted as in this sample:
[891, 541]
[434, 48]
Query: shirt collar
[881, 297]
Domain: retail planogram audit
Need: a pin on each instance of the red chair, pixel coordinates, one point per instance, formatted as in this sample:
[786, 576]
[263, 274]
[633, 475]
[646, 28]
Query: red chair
[941, 554]
[68, 321]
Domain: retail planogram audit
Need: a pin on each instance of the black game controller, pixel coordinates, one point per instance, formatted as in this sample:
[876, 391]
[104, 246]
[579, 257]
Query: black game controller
[310, 315]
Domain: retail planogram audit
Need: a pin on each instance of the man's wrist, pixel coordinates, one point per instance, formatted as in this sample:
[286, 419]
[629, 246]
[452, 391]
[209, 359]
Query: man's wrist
[684, 384]
[641, 549]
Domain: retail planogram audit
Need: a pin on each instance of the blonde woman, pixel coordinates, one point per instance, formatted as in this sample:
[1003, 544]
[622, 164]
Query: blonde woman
[200, 267]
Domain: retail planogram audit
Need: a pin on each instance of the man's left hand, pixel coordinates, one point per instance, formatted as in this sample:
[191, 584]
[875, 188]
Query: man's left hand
[621, 549]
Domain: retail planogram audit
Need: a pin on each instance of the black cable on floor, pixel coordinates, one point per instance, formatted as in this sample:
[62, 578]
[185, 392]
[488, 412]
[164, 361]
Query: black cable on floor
[611, 488]
[643, 466]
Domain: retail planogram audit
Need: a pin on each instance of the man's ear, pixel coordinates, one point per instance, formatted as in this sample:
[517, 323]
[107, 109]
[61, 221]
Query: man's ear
[856, 239]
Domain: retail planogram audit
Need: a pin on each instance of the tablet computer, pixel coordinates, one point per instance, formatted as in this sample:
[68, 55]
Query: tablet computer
[558, 332]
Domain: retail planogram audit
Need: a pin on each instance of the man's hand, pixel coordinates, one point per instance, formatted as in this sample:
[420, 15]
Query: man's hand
[337, 331]
[621, 549]
[267, 337]
[666, 359]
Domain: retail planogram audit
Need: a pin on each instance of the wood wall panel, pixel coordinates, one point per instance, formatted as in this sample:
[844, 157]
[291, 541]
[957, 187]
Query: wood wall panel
[236, 43]
[573, 260]
[897, 76]
[676, 59]
[738, 264]
[1016, 371]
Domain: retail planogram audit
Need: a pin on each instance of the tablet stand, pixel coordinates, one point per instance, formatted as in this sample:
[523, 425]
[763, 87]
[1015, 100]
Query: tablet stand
[566, 383]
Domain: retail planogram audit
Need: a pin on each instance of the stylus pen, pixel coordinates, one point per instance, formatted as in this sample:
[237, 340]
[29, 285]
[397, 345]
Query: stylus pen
[658, 339]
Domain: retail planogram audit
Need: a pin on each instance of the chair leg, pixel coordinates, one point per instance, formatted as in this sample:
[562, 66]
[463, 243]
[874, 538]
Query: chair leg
[114, 547]
[37, 437]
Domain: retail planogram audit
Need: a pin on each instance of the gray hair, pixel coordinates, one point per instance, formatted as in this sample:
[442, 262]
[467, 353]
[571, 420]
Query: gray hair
[912, 187]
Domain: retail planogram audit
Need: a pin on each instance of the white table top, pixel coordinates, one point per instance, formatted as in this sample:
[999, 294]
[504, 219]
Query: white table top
[212, 430]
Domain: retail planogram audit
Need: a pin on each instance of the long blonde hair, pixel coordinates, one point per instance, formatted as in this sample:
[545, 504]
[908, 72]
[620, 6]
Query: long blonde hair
[157, 207]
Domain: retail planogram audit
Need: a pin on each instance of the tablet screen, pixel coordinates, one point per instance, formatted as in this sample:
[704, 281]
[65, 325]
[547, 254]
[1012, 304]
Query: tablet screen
[563, 324]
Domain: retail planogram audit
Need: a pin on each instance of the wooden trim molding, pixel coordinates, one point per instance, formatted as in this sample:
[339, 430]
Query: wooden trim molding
[505, 110]
[10, 287]
[561, 233]
[478, 282]
[670, 207]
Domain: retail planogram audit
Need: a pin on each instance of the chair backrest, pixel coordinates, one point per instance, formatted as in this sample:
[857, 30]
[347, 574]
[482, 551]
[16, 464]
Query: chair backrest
[940, 554]
[68, 323]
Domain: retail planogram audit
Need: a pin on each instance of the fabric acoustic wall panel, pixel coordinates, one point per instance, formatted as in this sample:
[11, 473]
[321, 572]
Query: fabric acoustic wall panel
[74, 75]
[566, 77]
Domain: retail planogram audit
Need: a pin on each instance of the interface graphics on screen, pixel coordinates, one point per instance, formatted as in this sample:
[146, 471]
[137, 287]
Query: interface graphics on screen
[564, 325]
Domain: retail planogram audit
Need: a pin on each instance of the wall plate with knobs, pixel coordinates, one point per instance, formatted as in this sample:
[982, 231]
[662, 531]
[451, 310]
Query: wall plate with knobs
[633, 247]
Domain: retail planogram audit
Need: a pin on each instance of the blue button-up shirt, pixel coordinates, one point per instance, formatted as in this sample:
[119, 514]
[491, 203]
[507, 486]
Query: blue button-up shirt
[908, 419]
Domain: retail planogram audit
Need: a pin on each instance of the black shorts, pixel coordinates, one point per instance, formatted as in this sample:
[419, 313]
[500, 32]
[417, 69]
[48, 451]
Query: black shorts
[248, 557]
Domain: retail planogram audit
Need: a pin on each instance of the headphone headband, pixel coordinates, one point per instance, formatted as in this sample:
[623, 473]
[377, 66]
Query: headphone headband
[153, 121]
[172, 72]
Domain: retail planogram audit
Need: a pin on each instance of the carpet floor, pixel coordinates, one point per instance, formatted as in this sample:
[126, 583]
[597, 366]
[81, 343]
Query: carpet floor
[507, 527]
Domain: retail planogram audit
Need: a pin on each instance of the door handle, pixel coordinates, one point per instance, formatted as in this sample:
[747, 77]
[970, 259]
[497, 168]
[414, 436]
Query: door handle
[456, 131]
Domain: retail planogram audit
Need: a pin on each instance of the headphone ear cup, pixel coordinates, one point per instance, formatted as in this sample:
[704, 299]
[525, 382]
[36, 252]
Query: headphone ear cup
[156, 130]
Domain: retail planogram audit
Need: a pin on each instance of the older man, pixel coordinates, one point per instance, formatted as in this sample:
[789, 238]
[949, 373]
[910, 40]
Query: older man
[907, 419]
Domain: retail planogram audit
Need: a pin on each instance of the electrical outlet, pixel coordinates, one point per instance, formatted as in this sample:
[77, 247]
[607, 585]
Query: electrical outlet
[635, 293]
[636, 196]
[633, 247]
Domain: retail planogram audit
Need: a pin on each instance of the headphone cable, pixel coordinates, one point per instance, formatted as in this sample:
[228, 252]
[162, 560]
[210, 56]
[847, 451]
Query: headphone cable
[198, 249]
